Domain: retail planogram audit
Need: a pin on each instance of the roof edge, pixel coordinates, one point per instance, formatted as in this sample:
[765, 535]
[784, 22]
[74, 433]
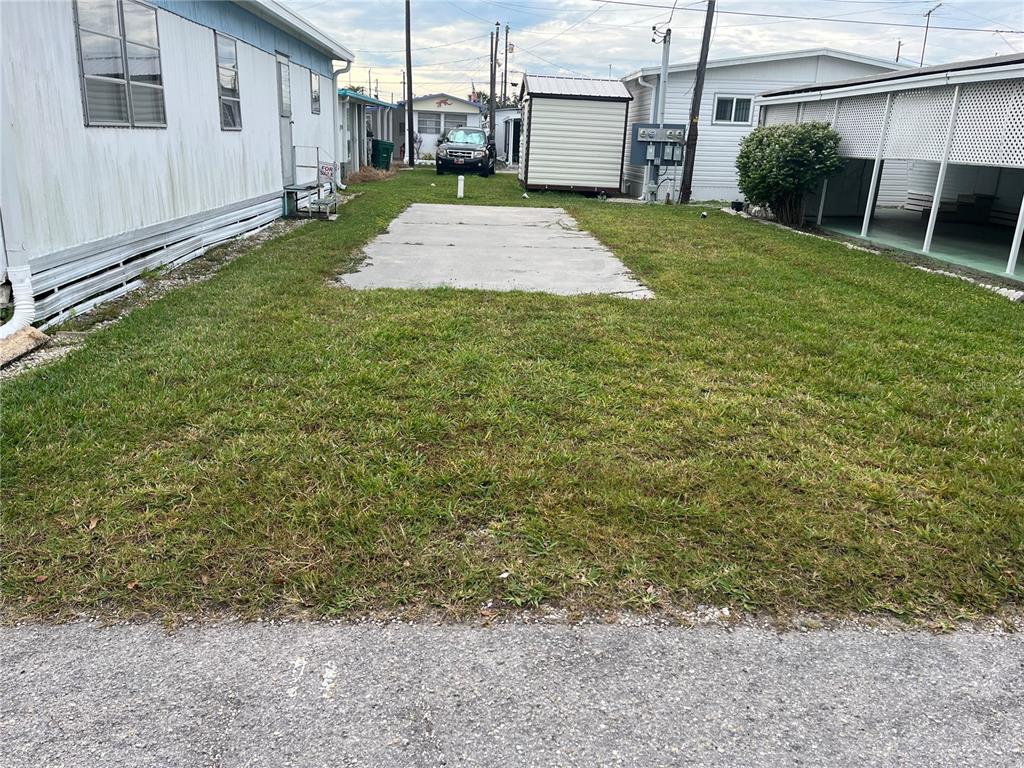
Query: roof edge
[893, 80]
[776, 56]
[289, 21]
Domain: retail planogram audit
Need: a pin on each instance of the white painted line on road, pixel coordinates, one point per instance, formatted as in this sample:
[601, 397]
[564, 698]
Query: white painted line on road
[298, 667]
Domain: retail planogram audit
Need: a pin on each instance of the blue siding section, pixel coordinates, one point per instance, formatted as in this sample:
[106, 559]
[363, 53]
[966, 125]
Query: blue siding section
[238, 22]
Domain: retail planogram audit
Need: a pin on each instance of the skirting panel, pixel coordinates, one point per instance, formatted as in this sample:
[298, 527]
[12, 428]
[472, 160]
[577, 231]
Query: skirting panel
[83, 277]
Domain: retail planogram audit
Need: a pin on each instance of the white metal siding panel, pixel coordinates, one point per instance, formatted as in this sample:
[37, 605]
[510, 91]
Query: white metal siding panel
[714, 176]
[576, 143]
[892, 184]
[310, 130]
[639, 112]
[75, 184]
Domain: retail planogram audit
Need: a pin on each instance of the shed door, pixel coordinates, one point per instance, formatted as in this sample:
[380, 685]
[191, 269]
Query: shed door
[284, 102]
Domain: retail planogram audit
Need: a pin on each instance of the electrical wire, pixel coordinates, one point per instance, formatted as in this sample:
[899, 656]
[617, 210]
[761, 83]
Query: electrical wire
[819, 18]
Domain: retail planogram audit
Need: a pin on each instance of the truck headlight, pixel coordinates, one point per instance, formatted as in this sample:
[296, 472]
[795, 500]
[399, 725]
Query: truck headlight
[478, 154]
[442, 152]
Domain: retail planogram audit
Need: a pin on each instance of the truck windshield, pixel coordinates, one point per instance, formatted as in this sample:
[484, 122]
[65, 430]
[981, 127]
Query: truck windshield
[462, 136]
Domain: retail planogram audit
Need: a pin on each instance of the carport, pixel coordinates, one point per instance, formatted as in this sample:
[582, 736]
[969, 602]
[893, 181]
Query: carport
[952, 134]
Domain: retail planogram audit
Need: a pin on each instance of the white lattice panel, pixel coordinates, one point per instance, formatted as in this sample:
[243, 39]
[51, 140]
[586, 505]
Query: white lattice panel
[859, 123]
[780, 114]
[918, 124]
[990, 125]
[818, 112]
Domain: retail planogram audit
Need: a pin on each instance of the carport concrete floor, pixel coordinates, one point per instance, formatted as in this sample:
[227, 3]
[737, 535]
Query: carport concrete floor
[984, 247]
[493, 248]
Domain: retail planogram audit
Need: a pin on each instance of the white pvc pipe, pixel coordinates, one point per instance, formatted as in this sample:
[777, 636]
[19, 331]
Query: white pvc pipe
[462, 187]
[24, 301]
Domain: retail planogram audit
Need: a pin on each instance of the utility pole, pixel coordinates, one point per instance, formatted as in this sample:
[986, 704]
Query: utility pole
[494, 67]
[410, 133]
[899, 47]
[504, 72]
[686, 188]
[927, 23]
[666, 43]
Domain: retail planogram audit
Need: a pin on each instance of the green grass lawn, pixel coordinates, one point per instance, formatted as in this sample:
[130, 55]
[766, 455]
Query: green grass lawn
[789, 425]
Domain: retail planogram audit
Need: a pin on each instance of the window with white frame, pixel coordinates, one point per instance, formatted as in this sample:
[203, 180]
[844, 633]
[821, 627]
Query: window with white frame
[119, 59]
[733, 109]
[227, 83]
[453, 120]
[314, 92]
[430, 122]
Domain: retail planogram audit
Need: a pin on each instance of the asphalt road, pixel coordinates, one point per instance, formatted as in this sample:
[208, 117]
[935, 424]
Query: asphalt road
[513, 695]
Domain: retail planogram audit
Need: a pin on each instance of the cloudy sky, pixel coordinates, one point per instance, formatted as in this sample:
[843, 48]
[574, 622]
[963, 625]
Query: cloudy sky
[595, 38]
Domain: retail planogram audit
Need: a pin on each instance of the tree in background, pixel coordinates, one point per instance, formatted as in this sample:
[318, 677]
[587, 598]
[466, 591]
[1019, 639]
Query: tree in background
[778, 165]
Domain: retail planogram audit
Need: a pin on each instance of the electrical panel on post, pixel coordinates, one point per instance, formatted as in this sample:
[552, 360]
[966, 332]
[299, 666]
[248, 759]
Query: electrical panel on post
[659, 145]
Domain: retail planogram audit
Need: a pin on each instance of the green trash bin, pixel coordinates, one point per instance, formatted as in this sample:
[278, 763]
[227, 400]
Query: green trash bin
[380, 154]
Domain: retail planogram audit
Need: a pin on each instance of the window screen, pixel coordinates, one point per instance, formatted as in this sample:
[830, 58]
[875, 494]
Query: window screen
[452, 120]
[430, 122]
[314, 92]
[119, 56]
[732, 109]
[227, 83]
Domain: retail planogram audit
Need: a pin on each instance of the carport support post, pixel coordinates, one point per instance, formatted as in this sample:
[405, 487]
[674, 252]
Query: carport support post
[1018, 234]
[940, 182]
[876, 171]
[821, 203]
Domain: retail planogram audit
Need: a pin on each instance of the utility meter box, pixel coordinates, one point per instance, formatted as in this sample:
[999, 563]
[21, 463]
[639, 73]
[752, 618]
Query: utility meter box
[662, 145]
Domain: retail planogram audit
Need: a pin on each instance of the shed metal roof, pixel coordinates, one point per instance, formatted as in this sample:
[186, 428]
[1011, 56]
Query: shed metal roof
[575, 87]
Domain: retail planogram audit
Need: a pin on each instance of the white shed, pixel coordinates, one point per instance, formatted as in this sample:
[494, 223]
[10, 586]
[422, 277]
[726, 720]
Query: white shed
[574, 133]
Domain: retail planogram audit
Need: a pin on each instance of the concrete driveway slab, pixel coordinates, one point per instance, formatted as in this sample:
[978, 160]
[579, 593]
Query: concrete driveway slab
[493, 248]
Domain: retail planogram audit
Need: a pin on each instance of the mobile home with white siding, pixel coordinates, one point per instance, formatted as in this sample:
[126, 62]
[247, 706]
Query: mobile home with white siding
[729, 108]
[574, 133]
[138, 134]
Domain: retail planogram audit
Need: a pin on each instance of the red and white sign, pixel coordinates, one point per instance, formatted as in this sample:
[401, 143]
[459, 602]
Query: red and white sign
[325, 172]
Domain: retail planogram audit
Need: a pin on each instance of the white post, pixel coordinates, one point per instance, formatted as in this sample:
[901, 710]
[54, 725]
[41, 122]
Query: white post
[462, 187]
[876, 171]
[1018, 234]
[940, 182]
[821, 203]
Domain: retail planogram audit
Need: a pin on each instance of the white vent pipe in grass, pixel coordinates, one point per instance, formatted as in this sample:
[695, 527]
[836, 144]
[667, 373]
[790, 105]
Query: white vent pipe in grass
[462, 187]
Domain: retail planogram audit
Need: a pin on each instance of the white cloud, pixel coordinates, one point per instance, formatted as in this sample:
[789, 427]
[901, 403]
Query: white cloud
[587, 37]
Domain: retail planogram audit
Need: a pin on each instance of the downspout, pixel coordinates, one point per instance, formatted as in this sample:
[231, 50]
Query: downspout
[337, 125]
[15, 259]
[654, 106]
[24, 301]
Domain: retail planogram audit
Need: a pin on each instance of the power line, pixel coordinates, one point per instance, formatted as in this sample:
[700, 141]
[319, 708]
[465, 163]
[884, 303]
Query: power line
[426, 47]
[818, 18]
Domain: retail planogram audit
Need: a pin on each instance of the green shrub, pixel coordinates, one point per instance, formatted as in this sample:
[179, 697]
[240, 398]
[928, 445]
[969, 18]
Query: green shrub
[779, 164]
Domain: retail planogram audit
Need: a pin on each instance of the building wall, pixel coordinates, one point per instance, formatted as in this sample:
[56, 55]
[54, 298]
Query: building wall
[435, 104]
[714, 176]
[74, 184]
[574, 143]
